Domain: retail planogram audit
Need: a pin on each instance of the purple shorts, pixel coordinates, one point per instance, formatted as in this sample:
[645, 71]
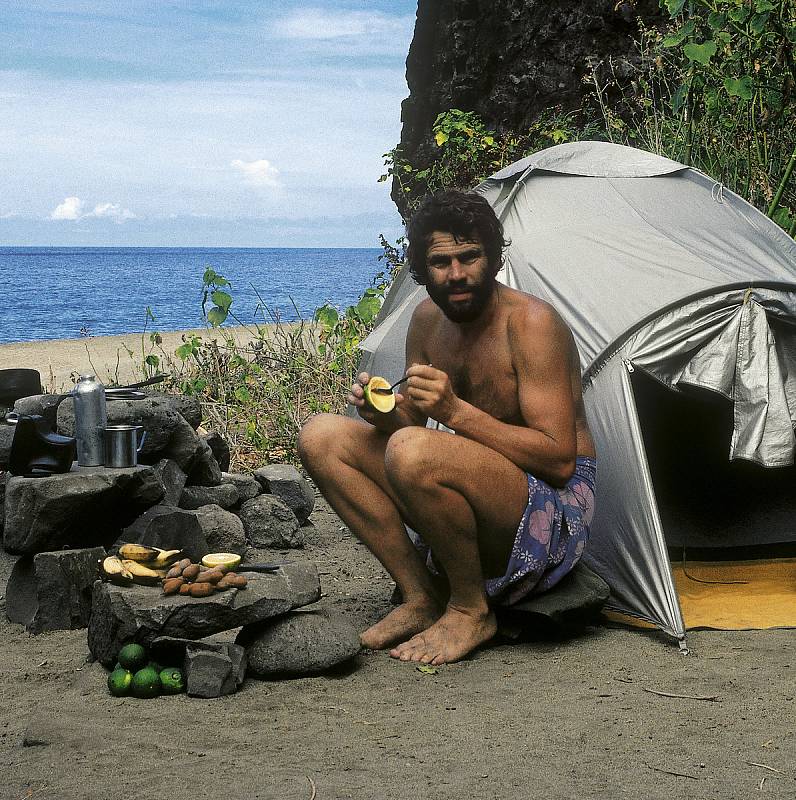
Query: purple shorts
[550, 539]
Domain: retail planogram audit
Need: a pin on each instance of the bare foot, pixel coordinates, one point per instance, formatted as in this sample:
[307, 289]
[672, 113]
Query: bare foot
[402, 622]
[455, 634]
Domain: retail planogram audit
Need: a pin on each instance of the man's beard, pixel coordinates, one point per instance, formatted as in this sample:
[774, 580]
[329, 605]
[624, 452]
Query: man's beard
[465, 310]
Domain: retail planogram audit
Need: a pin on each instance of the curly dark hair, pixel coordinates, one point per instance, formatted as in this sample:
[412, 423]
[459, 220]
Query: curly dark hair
[466, 216]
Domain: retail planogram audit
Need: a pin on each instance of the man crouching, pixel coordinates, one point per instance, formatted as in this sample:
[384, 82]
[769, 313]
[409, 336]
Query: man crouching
[503, 507]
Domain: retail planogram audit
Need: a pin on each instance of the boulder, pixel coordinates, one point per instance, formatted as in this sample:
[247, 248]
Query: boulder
[286, 483]
[574, 602]
[218, 444]
[184, 446]
[225, 495]
[188, 406]
[214, 674]
[85, 507]
[45, 405]
[204, 470]
[223, 531]
[123, 614]
[304, 643]
[170, 529]
[268, 522]
[247, 485]
[52, 591]
[172, 478]
[4, 476]
[6, 438]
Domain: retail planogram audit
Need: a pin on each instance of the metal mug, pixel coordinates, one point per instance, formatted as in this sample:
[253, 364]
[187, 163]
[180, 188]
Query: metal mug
[122, 445]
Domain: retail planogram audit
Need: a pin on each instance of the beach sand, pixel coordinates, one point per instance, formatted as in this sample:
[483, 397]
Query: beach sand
[574, 718]
[114, 359]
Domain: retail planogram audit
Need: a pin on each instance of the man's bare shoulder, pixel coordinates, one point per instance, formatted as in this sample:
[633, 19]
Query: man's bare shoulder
[530, 315]
[426, 313]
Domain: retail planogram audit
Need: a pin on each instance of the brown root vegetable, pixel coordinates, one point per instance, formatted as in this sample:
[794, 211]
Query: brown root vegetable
[186, 588]
[174, 572]
[238, 581]
[191, 571]
[172, 585]
[209, 576]
[201, 589]
[183, 563]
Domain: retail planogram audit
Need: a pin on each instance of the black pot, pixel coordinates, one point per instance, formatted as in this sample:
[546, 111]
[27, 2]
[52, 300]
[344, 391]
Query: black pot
[16, 383]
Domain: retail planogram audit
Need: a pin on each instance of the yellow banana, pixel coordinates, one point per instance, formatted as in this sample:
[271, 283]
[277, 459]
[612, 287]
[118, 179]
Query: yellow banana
[113, 569]
[165, 558]
[138, 552]
[143, 574]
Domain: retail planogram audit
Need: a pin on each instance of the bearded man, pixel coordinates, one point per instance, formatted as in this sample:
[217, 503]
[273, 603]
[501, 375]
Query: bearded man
[502, 508]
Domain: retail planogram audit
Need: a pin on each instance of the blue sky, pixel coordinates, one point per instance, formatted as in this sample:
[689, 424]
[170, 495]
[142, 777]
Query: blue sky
[199, 122]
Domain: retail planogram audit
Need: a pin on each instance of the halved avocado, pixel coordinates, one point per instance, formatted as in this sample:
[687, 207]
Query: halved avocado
[381, 402]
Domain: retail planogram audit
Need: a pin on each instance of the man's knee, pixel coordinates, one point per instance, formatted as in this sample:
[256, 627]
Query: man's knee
[409, 458]
[317, 437]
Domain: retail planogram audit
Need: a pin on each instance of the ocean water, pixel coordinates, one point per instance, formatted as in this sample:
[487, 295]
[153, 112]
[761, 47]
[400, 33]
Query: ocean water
[68, 292]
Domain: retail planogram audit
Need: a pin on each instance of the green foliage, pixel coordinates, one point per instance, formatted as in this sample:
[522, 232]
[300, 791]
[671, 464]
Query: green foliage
[716, 91]
[468, 151]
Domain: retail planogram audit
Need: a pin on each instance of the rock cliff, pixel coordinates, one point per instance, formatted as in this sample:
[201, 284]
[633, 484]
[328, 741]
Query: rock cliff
[509, 59]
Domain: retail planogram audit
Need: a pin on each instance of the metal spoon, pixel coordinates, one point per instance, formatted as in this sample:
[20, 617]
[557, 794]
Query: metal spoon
[397, 383]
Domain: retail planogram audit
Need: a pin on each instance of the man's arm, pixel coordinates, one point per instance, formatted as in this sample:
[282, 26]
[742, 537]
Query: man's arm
[541, 347]
[405, 413]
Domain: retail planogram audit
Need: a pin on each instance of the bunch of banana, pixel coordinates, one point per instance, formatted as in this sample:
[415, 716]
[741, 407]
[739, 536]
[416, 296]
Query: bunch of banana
[138, 563]
[153, 557]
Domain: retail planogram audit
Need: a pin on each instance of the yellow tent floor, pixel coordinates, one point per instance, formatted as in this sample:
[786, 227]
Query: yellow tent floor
[733, 595]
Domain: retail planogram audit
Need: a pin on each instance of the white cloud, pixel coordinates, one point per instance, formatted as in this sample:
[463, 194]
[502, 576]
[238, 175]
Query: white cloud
[112, 210]
[71, 208]
[318, 23]
[257, 173]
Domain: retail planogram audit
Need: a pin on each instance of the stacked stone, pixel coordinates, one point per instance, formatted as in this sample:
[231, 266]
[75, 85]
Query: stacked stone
[181, 496]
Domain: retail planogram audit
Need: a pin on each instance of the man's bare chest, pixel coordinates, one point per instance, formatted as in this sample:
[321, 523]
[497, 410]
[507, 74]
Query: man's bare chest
[482, 375]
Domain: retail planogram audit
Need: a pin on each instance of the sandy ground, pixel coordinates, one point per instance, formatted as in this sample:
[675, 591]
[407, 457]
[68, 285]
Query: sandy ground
[546, 719]
[114, 359]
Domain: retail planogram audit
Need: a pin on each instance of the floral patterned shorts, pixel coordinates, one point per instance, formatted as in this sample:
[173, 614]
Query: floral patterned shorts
[551, 535]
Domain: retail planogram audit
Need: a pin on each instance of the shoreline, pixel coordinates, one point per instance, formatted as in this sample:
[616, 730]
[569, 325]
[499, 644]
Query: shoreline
[115, 358]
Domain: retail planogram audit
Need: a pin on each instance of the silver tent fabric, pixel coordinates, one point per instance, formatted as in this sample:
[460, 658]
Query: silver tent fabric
[653, 265]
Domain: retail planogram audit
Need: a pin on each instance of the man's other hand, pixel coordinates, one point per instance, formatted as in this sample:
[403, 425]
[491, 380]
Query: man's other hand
[431, 392]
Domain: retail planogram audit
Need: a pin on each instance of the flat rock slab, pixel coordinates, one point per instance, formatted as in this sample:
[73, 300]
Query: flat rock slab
[86, 507]
[52, 591]
[304, 643]
[574, 602]
[286, 482]
[142, 613]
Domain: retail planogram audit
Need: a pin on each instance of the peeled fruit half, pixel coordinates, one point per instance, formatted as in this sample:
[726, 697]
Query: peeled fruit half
[230, 560]
[381, 402]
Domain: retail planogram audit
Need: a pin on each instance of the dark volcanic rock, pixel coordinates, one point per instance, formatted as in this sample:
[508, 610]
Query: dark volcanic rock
[286, 483]
[142, 613]
[304, 643]
[45, 405]
[268, 522]
[211, 673]
[226, 495]
[172, 478]
[52, 591]
[223, 531]
[247, 485]
[170, 529]
[82, 508]
[184, 446]
[218, 444]
[508, 60]
[6, 438]
[4, 476]
[204, 470]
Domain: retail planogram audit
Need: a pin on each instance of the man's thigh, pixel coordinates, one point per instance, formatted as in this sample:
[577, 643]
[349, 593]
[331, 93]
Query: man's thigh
[495, 488]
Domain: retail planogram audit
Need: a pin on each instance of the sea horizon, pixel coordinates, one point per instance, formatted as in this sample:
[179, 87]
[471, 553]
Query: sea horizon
[68, 291]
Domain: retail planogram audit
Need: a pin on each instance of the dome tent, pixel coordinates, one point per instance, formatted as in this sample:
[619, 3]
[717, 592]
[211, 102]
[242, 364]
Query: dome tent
[671, 284]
